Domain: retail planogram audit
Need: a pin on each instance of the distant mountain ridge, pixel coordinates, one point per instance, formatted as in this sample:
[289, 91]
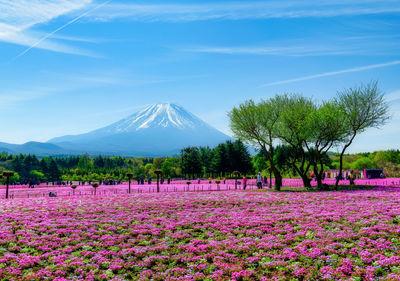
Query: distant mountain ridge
[32, 147]
[157, 130]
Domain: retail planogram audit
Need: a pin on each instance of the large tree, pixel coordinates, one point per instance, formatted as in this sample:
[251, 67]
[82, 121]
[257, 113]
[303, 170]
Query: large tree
[256, 125]
[364, 107]
[190, 161]
[295, 130]
[54, 172]
[326, 131]
[220, 161]
[242, 158]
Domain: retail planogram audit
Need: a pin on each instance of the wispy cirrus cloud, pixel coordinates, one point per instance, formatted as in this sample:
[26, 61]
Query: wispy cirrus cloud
[333, 73]
[19, 17]
[11, 97]
[330, 45]
[275, 51]
[393, 96]
[244, 10]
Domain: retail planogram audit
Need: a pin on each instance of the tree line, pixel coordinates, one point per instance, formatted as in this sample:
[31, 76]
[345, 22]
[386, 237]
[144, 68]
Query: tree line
[220, 161]
[192, 162]
[85, 168]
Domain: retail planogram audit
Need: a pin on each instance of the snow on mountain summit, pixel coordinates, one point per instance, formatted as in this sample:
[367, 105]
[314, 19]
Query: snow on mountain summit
[161, 115]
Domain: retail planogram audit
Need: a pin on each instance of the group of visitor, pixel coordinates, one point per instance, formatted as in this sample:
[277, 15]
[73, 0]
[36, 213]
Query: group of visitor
[141, 181]
[111, 182]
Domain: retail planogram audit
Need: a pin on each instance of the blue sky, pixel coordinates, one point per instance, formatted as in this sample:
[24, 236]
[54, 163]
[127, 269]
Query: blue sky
[70, 66]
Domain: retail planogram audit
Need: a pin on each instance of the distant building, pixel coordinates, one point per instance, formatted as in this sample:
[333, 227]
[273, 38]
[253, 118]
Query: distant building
[332, 174]
[365, 174]
[373, 173]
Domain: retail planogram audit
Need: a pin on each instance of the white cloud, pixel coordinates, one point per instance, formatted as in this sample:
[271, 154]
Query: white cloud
[26, 13]
[274, 51]
[244, 10]
[325, 74]
[18, 17]
[9, 98]
[393, 96]
[28, 38]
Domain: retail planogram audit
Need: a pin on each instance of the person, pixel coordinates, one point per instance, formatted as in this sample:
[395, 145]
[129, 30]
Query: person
[244, 182]
[209, 180]
[198, 180]
[259, 181]
[224, 180]
[351, 178]
[169, 180]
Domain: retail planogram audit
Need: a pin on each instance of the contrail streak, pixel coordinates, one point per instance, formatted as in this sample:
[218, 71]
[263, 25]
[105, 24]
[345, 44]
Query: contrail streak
[61, 27]
[355, 69]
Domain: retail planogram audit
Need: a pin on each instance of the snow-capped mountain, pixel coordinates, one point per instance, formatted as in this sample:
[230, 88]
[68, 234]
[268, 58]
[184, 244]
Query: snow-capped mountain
[156, 116]
[158, 130]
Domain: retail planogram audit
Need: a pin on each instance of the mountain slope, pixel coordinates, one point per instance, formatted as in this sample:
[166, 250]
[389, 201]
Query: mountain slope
[32, 147]
[158, 130]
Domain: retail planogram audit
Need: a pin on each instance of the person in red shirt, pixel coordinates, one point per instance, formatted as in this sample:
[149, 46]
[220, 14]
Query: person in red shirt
[244, 182]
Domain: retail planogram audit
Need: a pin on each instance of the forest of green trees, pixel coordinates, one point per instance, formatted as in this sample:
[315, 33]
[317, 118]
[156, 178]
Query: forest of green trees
[193, 162]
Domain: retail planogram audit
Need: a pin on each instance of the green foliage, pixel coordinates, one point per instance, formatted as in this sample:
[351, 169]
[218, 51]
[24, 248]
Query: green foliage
[170, 168]
[362, 163]
[85, 163]
[190, 161]
[37, 175]
[365, 107]
[309, 129]
[54, 173]
[220, 161]
[380, 159]
[259, 162]
[86, 168]
[257, 125]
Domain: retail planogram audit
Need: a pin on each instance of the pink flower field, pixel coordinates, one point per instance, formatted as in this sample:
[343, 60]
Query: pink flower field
[227, 235]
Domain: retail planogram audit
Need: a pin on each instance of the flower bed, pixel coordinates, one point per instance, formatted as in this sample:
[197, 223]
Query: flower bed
[203, 236]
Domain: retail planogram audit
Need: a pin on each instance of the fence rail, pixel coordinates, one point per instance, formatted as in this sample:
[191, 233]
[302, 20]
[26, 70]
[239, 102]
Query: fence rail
[203, 186]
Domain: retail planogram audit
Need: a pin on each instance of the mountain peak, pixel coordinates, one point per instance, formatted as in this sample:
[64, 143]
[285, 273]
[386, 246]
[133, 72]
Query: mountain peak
[161, 115]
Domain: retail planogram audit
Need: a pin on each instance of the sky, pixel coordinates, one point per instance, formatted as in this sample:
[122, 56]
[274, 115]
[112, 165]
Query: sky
[72, 66]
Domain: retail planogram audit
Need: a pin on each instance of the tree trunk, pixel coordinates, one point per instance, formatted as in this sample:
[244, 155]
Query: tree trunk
[278, 179]
[318, 174]
[277, 173]
[320, 185]
[303, 175]
[341, 160]
[306, 181]
[340, 168]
